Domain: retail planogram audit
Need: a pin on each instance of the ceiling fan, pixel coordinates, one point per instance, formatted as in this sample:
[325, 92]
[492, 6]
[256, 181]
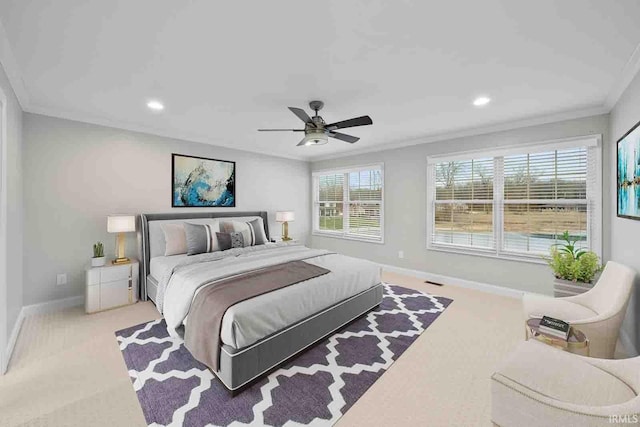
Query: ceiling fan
[317, 132]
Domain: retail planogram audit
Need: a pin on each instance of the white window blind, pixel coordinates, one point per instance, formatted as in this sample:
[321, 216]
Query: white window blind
[545, 194]
[330, 202]
[516, 204]
[464, 204]
[349, 203]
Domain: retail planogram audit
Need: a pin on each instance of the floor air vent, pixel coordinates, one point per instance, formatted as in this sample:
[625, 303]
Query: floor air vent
[433, 283]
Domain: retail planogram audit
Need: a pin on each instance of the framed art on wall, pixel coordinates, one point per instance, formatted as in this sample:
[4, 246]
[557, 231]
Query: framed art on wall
[201, 182]
[628, 182]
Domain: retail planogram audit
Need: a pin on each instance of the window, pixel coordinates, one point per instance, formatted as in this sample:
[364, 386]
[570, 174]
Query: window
[544, 195]
[349, 203]
[516, 202]
[464, 203]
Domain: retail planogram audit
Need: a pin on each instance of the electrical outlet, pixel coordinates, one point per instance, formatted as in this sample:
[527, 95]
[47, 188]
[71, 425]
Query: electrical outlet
[401, 254]
[61, 279]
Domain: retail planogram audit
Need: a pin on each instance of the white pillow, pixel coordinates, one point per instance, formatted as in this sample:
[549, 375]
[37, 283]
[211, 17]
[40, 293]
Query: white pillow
[175, 239]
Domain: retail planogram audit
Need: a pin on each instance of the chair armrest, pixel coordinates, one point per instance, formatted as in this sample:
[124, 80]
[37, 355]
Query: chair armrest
[602, 332]
[626, 408]
[626, 370]
[603, 317]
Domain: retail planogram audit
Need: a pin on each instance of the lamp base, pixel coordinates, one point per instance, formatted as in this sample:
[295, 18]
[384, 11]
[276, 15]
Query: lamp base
[120, 258]
[285, 232]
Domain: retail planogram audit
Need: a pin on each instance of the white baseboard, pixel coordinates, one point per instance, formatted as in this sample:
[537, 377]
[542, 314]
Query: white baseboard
[454, 281]
[12, 342]
[30, 310]
[52, 306]
[627, 344]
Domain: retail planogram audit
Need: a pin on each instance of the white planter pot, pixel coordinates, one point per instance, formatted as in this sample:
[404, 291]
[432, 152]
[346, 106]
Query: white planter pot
[98, 262]
[568, 288]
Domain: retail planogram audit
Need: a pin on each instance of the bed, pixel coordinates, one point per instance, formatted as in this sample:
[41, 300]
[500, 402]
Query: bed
[260, 333]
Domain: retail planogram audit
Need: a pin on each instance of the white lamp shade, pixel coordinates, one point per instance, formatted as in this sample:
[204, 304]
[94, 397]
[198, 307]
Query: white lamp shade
[121, 223]
[285, 216]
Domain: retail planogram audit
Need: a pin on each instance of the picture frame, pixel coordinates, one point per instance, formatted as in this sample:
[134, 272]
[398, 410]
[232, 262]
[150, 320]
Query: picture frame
[628, 174]
[201, 182]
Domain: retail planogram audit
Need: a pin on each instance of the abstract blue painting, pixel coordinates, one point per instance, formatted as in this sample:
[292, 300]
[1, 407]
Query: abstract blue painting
[628, 182]
[201, 182]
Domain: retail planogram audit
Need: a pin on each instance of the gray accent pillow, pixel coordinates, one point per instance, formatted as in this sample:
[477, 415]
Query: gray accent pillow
[252, 231]
[199, 239]
[224, 241]
[257, 232]
[231, 240]
[237, 240]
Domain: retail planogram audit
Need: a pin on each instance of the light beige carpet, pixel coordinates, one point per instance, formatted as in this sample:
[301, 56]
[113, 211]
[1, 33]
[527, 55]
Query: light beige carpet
[67, 369]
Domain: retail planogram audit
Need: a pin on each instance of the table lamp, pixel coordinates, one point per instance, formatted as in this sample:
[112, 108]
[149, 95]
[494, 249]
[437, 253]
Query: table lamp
[284, 218]
[121, 224]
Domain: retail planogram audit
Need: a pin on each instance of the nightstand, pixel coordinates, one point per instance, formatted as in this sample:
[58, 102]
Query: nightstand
[279, 240]
[111, 286]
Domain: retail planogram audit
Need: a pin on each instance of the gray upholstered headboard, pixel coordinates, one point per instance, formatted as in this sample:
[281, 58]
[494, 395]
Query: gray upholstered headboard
[151, 238]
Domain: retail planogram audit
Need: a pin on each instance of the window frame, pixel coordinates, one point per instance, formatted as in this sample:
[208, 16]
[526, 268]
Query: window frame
[344, 234]
[593, 202]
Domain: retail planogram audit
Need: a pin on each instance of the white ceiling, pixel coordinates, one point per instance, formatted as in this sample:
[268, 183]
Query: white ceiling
[224, 69]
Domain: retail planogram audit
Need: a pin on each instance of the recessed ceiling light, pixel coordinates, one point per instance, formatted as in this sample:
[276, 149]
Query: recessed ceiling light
[155, 105]
[481, 101]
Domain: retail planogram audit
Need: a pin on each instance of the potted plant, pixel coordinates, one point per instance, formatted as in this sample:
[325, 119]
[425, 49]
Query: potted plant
[98, 259]
[574, 268]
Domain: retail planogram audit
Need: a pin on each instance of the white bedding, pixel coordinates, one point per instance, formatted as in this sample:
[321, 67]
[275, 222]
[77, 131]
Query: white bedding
[162, 265]
[249, 321]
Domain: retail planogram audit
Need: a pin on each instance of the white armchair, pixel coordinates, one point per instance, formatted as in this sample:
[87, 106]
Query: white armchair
[598, 312]
[539, 385]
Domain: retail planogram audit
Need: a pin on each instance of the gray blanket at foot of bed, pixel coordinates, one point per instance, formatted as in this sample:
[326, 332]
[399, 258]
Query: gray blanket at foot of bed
[202, 332]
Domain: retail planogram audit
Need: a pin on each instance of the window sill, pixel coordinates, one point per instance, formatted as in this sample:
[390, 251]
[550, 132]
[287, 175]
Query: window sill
[532, 259]
[347, 237]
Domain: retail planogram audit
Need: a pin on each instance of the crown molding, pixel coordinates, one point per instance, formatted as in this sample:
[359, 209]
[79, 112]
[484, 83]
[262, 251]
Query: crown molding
[149, 130]
[628, 73]
[475, 131]
[12, 69]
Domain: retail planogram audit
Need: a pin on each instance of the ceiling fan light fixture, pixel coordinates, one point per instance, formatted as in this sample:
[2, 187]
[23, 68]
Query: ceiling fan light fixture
[316, 138]
[481, 101]
[317, 131]
[155, 105]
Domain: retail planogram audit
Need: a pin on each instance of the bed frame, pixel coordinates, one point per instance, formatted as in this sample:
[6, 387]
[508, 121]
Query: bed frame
[240, 368]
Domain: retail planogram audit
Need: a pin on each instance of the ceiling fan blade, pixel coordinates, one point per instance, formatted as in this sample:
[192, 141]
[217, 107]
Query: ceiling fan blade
[280, 130]
[303, 142]
[302, 115]
[358, 121]
[344, 137]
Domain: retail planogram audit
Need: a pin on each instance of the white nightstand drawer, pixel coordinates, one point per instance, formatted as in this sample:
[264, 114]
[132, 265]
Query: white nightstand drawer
[93, 276]
[92, 299]
[116, 272]
[113, 294]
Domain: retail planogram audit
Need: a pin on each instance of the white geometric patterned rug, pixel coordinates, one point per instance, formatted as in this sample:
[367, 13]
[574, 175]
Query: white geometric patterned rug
[314, 389]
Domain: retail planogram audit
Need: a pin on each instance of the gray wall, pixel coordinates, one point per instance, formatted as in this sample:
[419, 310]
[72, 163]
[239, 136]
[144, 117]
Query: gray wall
[405, 208]
[75, 174]
[13, 291]
[625, 233]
